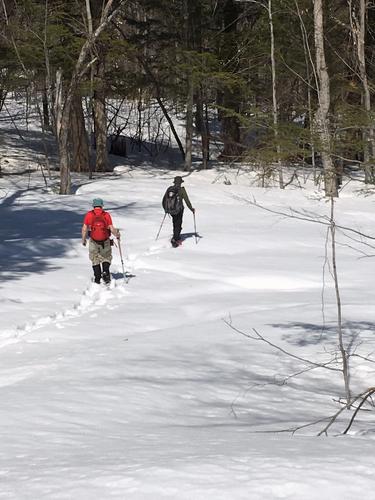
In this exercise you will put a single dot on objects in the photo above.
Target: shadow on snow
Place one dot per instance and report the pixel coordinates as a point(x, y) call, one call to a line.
point(313, 333)
point(32, 235)
point(185, 236)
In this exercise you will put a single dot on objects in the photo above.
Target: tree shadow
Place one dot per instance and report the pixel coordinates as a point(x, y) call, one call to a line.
point(30, 236)
point(32, 147)
point(315, 334)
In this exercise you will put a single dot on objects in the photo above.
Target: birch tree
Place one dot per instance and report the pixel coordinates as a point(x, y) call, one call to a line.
point(322, 121)
point(274, 97)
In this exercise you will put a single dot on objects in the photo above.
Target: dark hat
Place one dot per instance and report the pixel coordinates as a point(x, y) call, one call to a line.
point(178, 180)
point(97, 202)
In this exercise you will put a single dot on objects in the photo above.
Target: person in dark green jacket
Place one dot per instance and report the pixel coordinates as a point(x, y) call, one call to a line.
point(173, 204)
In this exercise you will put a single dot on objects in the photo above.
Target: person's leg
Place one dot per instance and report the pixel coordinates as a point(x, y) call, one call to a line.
point(97, 273)
point(94, 255)
point(106, 255)
point(177, 225)
point(106, 273)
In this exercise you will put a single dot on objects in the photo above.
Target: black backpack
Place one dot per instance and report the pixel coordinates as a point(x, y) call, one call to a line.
point(172, 200)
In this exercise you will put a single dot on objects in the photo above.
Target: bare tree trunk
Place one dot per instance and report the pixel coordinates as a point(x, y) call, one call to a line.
point(322, 121)
point(62, 128)
point(90, 119)
point(65, 178)
point(90, 112)
point(58, 102)
point(43, 127)
point(202, 127)
point(344, 354)
point(79, 150)
point(206, 136)
point(189, 124)
point(100, 124)
point(45, 106)
point(139, 133)
point(358, 27)
point(80, 69)
point(48, 105)
point(309, 78)
point(274, 97)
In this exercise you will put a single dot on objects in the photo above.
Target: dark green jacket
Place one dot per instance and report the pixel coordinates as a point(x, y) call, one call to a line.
point(185, 197)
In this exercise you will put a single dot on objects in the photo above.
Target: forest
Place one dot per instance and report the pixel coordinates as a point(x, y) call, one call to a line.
point(274, 84)
point(201, 365)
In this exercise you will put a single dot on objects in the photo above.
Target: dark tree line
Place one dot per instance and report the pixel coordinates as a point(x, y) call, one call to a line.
point(291, 81)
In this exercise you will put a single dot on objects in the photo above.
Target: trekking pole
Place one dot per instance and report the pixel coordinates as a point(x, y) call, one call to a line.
point(195, 230)
point(122, 260)
point(161, 225)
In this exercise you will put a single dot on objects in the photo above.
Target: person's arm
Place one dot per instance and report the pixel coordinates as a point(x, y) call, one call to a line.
point(114, 231)
point(111, 227)
point(84, 234)
point(186, 199)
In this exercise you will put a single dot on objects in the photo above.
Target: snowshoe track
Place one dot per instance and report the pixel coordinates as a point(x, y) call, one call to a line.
point(94, 296)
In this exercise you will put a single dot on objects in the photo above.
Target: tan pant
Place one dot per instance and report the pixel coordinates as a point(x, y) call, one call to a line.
point(100, 252)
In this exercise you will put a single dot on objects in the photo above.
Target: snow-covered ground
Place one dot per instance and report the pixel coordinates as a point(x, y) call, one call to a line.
point(143, 391)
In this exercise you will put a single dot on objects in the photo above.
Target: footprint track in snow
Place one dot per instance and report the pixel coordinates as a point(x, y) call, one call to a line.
point(93, 296)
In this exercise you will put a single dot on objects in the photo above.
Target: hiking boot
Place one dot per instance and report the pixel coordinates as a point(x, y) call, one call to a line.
point(174, 243)
point(106, 274)
point(97, 273)
point(106, 278)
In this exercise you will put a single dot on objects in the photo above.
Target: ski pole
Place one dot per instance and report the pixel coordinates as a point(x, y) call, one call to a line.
point(161, 225)
point(195, 230)
point(122, 260)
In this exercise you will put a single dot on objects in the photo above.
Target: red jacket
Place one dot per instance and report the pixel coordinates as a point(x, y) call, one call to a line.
point(93, 214)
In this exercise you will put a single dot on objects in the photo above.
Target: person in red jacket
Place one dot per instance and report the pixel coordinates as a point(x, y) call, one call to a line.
point(100, 225)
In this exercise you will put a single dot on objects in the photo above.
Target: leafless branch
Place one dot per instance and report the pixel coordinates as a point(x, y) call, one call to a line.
point(295, 214)
point(258, 336)
point(369, 393)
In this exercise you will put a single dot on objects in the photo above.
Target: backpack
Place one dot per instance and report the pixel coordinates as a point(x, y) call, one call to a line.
point(172, 200)
point(99, 229)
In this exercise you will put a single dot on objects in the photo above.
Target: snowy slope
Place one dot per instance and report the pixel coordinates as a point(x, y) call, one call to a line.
point(142, 391)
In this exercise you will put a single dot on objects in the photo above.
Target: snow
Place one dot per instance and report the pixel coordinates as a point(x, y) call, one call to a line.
point(142, 390)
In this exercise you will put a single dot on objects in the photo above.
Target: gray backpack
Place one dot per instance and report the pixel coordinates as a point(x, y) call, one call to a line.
point(172, 200)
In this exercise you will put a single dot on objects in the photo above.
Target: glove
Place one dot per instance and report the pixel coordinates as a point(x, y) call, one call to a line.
point(193, 210)
point(84, 243)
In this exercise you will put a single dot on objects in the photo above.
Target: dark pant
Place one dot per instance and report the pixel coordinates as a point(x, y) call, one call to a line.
point(98, 272)
point(177, 225)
